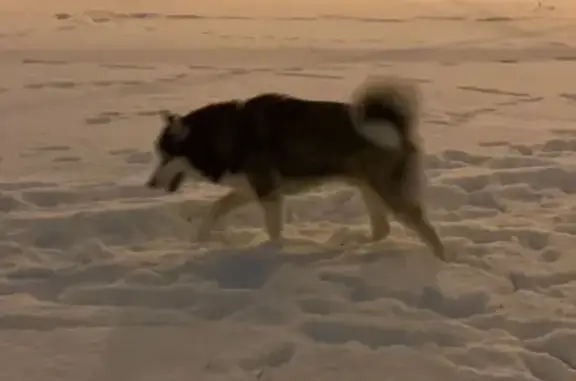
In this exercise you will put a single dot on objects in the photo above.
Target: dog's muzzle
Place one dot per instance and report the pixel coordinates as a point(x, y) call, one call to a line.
point(169, 175)
point(172, 186)
point(152, 183)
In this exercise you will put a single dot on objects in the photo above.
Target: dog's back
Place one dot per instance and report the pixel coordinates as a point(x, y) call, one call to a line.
point(301, 137)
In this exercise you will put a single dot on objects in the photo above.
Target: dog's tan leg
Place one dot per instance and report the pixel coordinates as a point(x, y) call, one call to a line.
point(376, 211)
point(414, 216)
point(411, 212)
point(273, 216)
point(220, 208)
point(264, 184)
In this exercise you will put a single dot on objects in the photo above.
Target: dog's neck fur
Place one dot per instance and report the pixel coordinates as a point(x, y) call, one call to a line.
point(214, 155)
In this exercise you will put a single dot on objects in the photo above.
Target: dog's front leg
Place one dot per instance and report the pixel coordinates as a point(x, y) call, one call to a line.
point(271, 200)
point(234, 199)
point(412, 213)
point(273, 216)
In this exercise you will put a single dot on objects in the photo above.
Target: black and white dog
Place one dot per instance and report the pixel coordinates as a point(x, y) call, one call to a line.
point(273, 145)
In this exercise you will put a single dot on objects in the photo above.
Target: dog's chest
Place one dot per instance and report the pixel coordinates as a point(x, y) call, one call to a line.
point(236, 181)
point(286, 187)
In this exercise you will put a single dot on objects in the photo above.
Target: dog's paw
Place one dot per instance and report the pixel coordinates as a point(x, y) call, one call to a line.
point(443, 254)
point(379, 235)
point(204, 233)
point(272, 245)
point(380, 229)
point(186, 214)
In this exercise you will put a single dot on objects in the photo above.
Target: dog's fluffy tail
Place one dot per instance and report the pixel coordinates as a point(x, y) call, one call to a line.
point(386, 113)
point(385, 110)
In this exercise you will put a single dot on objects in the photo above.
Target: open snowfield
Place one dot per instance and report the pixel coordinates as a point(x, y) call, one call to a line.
point(101, 279)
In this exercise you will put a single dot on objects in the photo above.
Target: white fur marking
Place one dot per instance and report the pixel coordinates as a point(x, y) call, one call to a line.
point(382, 134)
point(164, 174)
point(235, 181)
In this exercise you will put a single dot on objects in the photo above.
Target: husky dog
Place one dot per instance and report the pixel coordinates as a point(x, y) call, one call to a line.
point(273, 145)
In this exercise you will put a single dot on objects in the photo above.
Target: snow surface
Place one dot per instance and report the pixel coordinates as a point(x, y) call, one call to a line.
point(101, 280)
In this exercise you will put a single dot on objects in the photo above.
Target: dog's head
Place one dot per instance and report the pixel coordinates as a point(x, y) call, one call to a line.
point(171, 150)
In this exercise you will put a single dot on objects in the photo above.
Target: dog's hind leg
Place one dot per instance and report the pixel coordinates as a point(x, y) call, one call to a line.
point(411, 212)
point(234, 199)
point(377, 212)
point(414, 216)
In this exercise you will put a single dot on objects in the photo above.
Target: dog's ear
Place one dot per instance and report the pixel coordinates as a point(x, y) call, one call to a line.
point(169, 117)
point(174, 124)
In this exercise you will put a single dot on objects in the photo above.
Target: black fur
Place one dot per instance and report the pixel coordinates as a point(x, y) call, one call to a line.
point(277, 134)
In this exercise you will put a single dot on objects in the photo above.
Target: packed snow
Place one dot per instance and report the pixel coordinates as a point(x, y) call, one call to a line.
point(101, 279)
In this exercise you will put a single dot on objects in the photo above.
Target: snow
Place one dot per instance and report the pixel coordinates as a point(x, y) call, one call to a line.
point(101, 279)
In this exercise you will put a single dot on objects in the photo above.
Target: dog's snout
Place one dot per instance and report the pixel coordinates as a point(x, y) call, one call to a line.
point(152, 183)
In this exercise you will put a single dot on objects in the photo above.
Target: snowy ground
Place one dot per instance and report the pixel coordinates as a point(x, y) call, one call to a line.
point(101, 280)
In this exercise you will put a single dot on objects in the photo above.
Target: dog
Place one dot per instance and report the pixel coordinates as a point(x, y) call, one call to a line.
point(273, 145)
